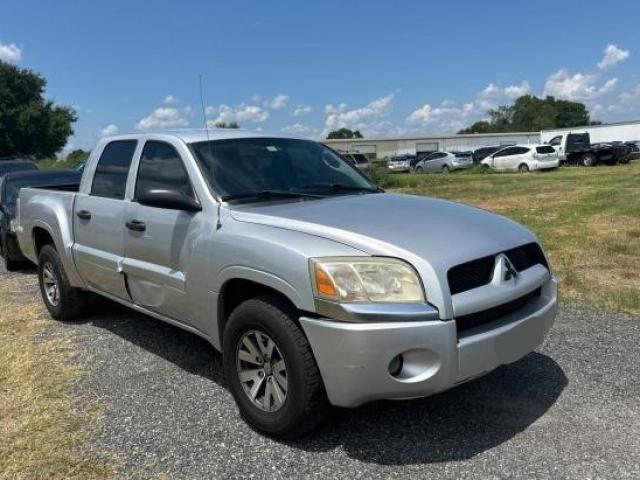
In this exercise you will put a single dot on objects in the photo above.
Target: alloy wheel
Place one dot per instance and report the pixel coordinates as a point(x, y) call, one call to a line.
point(50, 284)
point(261, 370)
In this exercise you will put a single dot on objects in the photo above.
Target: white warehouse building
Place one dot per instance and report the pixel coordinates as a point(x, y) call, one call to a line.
point(611, 132)
point(379, 148)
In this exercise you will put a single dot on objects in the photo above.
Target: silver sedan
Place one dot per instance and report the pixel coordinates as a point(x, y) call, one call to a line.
point(444, 162)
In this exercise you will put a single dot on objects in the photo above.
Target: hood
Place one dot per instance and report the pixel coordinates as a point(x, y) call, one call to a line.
point(440, 232)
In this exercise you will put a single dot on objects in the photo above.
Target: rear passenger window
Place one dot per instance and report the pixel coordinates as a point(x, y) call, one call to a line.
point(110, 179)
point(545, 149)
point(161, 168)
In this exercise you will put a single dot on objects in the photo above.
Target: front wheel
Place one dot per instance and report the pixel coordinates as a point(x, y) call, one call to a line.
point(419, 170)
point(445, 169)
point(63, 301)
point(523, 168)
point(271, 370)
point(588, 160)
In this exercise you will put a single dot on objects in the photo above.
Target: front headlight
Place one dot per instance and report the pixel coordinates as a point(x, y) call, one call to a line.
point(366, 279)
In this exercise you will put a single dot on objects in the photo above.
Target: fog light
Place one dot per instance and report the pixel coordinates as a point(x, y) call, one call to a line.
point(395, 365)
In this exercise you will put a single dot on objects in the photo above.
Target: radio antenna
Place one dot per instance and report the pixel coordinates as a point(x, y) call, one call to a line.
point(206, 129)
point(204, 111)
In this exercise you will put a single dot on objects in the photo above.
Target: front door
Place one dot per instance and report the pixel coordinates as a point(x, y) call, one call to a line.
point(98, 221)
point(159, 242)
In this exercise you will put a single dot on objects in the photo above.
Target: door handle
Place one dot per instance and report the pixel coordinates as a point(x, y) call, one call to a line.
point(136, 225)
point(84, 215)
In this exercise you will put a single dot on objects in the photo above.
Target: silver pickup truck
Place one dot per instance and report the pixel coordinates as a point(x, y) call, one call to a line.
point(318, 288)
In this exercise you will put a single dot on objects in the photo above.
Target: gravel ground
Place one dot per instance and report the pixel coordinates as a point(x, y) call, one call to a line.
point(569, 410)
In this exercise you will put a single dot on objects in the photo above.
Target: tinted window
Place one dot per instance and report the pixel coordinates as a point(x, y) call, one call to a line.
point(545, 149)
point(6, 167)
point(437, 155)
point(110, 178)
point(506, 152)
point(556, 140)
point(360, 158)
point(520, 150)
point(161, 168)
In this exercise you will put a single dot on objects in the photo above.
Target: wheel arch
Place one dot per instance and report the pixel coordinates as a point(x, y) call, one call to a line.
point(242, 283)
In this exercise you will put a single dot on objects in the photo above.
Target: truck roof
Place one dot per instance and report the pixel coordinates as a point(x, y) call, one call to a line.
point(202, 135)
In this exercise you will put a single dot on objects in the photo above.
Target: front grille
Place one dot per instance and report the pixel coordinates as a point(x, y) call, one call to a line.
point(466, 322)
point(478, 272)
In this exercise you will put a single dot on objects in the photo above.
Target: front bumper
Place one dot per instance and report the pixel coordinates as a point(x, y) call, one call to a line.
point(354, 358)
point(400, 168)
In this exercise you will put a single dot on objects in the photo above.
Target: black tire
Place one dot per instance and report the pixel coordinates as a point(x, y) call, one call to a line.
point(419, 170)
point(523, 168)
point(305, 405)
point(12, 265)
point(71, 301)
point(445, 169)
point(588, 160)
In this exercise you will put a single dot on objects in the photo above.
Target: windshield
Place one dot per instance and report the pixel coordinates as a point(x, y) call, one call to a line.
point(241, 167)
point(13, 185)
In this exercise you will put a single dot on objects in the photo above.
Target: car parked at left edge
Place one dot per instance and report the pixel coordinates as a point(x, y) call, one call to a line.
point(10, 186)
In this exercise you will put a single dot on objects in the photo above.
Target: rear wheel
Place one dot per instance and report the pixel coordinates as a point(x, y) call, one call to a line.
point(271, 370)
point(523, 168)
point(63, 301)
point(445, 169)
point(419, 170)
point(588, 160)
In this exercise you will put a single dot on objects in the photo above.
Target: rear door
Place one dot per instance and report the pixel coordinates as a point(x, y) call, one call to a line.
point(558, 144)
point(506, 158)
point(160, 242)
point(98, 222)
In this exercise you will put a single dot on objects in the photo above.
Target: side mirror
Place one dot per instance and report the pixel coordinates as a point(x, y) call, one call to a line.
point(170, 199)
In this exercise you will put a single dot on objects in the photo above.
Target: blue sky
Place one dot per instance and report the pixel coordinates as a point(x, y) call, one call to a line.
point(386, 68)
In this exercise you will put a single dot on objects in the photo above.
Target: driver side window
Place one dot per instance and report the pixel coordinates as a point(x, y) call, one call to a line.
point(161, 168)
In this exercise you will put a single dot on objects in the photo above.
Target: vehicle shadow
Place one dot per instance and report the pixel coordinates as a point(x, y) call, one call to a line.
point(454, 425)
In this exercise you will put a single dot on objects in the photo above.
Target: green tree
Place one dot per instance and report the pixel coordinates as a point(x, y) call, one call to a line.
point(77, 156)
point(227, 125)
point(30, 125)
point(344, 133)
point(532, 114)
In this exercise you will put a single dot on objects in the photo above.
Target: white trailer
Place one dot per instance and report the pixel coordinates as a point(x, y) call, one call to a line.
point(612, 132)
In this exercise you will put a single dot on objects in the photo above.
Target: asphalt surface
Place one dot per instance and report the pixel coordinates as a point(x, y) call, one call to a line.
point(569, 410)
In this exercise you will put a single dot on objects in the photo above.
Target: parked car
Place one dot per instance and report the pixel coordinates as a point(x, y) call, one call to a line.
point(444, 162)
point(399, 163)
point(10, 186)
point(577, 148)
point(360, 160)
point(523, 158)
point(7, 166)
point(634, 150)
point(481, 153)
point(317, 287)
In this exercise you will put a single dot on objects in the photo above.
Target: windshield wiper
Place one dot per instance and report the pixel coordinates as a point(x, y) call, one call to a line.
point(267, 194)
point(342, 187)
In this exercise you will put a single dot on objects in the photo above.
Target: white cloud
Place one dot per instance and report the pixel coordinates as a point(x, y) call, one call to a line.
point(10, 53)
point(367, 119)
point(302, 110)
point(579, 86)
point(277, 103)
point(612, 56)
point(511, 92)
point(165, 117)
point(299, 129)
point(170, 100)
point(240, 113)
point(109, 130)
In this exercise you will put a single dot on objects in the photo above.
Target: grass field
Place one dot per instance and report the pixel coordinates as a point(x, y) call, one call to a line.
point(588, 219)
